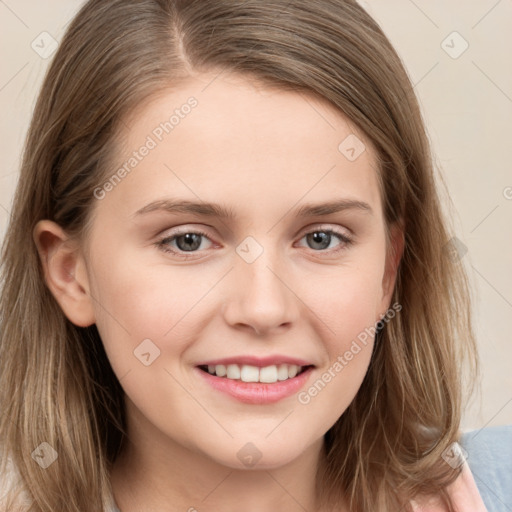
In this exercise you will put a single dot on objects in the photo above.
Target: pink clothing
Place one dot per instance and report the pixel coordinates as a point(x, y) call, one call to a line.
point(463, 492)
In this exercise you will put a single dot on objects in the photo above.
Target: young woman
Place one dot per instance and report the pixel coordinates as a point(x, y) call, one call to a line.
point(228, 281)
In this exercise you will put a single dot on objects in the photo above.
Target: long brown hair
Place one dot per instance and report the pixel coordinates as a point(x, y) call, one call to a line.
point(56, 383)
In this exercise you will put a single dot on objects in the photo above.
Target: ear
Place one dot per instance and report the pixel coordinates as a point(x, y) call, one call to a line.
point(65, 272)
point(393, 257)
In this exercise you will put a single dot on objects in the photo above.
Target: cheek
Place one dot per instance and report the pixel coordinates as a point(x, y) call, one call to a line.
point(349, 351)
point(348, 309)
point(334, 387)
point(347, 302)
point(137, 302)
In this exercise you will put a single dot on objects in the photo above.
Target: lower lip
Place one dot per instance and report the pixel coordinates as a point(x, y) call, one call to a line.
point(257, 392)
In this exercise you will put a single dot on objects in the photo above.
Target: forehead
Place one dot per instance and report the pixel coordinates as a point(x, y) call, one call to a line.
point(227, 136)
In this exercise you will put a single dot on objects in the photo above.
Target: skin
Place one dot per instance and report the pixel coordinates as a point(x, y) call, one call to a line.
point(262, 152)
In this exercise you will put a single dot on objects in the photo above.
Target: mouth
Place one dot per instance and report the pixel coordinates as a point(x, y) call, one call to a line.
point(256, 385)
point(258, 374)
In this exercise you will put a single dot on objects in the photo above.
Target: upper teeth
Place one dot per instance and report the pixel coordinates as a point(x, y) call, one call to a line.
point(248, 373)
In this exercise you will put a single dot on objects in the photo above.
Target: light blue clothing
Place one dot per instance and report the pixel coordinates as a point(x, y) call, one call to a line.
point(489, 456)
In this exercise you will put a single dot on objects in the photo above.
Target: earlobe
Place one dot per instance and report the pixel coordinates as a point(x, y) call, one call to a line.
point(64, 272)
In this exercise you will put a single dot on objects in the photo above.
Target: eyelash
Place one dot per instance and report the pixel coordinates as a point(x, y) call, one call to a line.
point(163, 243)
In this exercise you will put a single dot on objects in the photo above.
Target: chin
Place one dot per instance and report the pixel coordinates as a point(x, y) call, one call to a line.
point(258, 455)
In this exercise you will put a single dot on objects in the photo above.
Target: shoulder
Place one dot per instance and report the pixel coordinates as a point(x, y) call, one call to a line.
point(485, 482)
point(489, 454)
point(463, 493)
point(12, 495)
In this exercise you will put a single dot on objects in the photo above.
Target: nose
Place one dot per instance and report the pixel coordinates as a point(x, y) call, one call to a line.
point(260, 296)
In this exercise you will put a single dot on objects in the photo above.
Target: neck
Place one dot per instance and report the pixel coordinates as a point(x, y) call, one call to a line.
point(154, 472)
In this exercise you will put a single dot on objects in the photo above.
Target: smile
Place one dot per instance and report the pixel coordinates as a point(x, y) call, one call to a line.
point(253, 384)
point(248, 373)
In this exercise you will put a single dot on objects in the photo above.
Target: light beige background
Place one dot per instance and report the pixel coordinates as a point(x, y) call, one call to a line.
point(467, 104)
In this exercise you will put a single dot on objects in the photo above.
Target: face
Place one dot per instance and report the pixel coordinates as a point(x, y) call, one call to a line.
point(256, 279)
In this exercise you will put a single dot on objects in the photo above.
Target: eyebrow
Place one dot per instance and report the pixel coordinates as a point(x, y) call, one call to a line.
point(217, 210)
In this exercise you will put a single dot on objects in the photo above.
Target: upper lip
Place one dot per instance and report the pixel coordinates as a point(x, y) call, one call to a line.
point(257, 361)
